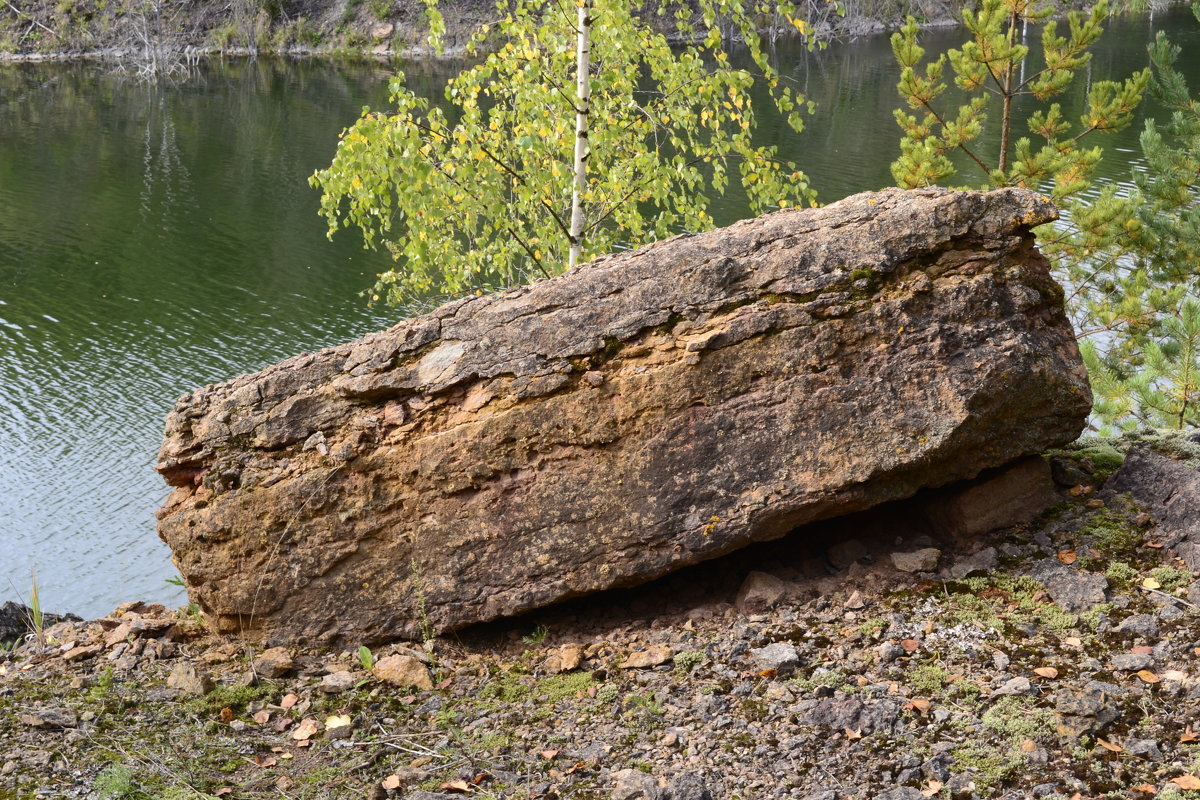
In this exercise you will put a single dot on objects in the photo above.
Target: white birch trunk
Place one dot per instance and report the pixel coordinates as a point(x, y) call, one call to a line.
point(584, 95)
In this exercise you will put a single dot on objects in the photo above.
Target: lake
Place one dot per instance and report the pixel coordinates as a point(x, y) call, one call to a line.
point(155, 237)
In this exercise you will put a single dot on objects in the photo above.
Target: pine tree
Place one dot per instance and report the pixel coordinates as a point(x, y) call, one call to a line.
point(992, 65)
point(1145, 365)
point(579, 130)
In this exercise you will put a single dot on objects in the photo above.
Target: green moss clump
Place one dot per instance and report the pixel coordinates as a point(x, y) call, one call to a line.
point(928, 679)
point(1111, 534)
point(687, 660)
point(1121, 576)
point(1011, 718)
point(562, 687)
point(1171, 578)
point(228, 696)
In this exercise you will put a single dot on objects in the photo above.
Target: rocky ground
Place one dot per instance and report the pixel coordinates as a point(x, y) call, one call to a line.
point(865, 659)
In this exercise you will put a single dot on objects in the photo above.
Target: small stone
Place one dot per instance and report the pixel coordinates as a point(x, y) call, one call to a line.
point(855, 601)
point(382, 31)
point(924, 560)
point(117, 634)
point(1014, 686)
point(779, 692)
point(1170, 613)
point(889, 652)
point(189, 680)
point(760, 592)
point(564, 659)
point(652, 656)
point(274, 663)
point(337, 682)
point(983, 561)
point(48, 718)
point(1066, 473)
point(1148, 748)
point(843, 554)
point(1131, 662)
point(1138, 626)
point(594, 378)
point(80, 653)
point(633, 784)
point(52, 717)
point(403, 671)
point(687, 786)
point(779, 656)
point(1074, 591)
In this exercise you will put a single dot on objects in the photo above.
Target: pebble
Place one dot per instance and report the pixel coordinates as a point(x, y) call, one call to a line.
point(924, 560)
point(779, 656)
point(337, 682)
point(190, 680)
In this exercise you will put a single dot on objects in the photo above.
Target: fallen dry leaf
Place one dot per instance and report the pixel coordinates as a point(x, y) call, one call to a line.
point(1150, 583)
point(1109, 746)
point(1190, 782)
point(266, 761)
point(390, 782)
point(337, 721)
point(932, 788)
point(224, 790)
point(1144, 788)
point(920, 704)
point(306, 730)
point(1028, 746)
point(853, 734)
point(227, 715)
point(1148, 676)
point(549, 754)
point(1046, 672)
point(456, 786)
point(261, 717)
point(1188, 735)
point(283, 783)
point(767, 673)
point(421, 761)
point(1073, 641)
point(1067, 556)
point(910, 645)
point(1141, 649)
point(288, 701)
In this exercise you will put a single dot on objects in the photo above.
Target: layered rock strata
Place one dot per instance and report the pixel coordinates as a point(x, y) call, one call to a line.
point(643, 412)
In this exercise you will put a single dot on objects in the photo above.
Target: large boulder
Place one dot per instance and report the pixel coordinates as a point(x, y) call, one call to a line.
point(643, 412)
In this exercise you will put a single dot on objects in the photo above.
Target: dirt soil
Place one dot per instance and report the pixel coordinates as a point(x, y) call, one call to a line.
point(862, 659)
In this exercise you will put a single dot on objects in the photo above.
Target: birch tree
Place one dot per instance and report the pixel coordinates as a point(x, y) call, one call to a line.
point(577, 130)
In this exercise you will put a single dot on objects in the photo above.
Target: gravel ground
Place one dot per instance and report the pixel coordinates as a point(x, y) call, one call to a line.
point(865, 659)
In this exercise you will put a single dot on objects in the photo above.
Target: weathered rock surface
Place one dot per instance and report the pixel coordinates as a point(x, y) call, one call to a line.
point(1170, 491)
point(646, 411)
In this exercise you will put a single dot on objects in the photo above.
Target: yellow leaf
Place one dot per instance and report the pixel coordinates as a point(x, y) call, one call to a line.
point(1148, 676)
point(1114, 748)
point(337, 721)
point(390, 782)
point(1150, 583)
point(1046, 672)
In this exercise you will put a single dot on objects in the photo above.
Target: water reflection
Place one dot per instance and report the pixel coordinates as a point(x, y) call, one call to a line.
point(157, 237)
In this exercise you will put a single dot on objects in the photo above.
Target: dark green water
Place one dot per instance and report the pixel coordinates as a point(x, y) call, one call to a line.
point(154, 238)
